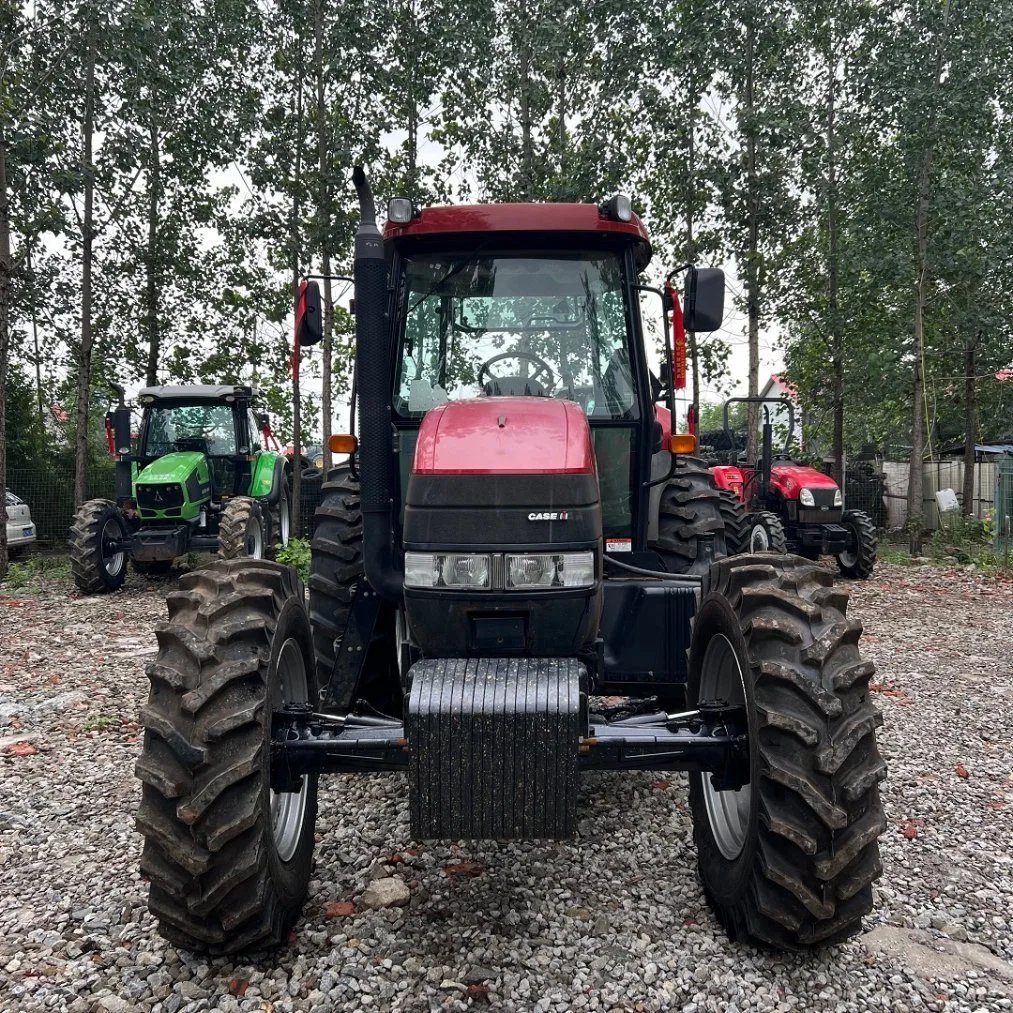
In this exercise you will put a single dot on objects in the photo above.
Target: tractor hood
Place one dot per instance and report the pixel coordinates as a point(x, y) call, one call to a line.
point(176, 467)
point(505, 436)
point(791, 479)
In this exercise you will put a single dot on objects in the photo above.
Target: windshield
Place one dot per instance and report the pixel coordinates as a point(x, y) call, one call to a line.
point(207, 428)
point(541, 325)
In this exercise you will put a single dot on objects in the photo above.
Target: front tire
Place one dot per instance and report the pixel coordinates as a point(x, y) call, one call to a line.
point(241, 530)
point(95, 565)
point(228, 860)
point(689, 513)
point(859, 558)
point(764, 533)
point(789, 860)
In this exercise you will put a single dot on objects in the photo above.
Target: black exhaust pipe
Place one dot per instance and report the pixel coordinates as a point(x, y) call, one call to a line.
point(121, 444)
point(383, 571)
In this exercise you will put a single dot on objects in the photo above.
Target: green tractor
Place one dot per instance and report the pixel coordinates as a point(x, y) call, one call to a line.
point(201, 478)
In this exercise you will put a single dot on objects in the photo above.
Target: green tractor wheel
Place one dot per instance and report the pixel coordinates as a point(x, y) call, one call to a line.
point(96, 561)
point(281, 520)
point(241, 529)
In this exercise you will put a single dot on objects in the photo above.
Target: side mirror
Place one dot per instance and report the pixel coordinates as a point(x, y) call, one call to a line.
point(309, 318)
point(705, 299)
point(263, 421)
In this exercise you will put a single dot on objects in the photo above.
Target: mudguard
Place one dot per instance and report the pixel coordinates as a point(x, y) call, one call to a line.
point(268, 475)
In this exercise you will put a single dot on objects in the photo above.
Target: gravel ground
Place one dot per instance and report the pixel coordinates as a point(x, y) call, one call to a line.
point(613, 921)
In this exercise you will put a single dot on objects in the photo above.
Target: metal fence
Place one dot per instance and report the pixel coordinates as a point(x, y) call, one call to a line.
point(49, 492)
point(1002, 515)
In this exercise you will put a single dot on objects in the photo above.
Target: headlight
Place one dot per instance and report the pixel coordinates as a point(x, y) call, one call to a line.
point(806, 498)
point(520, 571)
point(838, 498)
point(560, 569)
point(446, 569)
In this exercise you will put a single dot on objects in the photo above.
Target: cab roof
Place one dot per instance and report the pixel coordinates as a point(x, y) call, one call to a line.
point(196, 392)
point(567, 222)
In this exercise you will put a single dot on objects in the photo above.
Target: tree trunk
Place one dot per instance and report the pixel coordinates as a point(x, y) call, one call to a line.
point(690, 241)
point(970, 422)
point(752, 253)
point(836, 331)
point(84, 355)
point(294, 233)
point(324, 224)
point(527, 148)
point(5, 293)
point(916, 522)
point(33, 309)
point(151, 281)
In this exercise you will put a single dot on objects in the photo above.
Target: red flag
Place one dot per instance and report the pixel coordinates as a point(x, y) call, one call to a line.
point(678, 340)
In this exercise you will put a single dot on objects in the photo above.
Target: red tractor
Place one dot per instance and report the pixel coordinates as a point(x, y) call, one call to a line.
point(778, 505)
point(513, 546)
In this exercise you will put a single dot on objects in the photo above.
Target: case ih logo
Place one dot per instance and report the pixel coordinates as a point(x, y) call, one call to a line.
point(549, 515)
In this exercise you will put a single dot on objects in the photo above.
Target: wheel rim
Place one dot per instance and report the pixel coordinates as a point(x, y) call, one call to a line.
point(728, 812)
point(285, 520)
point(759, 539)
point(254, 543)
point(113, 562)
point(288, 808)
point(849, 557)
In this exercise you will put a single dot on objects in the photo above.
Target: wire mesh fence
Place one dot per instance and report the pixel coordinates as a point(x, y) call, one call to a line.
point(1002, 516)
point(48, 492)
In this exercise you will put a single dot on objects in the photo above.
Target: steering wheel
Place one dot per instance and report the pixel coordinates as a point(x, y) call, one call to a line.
point(543, 368)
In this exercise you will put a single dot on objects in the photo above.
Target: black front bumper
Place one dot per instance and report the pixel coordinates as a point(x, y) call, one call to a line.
point(829, 539)
point(493, 746)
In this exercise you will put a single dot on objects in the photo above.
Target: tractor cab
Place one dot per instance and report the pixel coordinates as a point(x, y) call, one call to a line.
point(534, 301)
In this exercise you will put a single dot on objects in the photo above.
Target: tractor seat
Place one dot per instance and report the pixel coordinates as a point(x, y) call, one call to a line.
point(198, 443)
point(514, 386)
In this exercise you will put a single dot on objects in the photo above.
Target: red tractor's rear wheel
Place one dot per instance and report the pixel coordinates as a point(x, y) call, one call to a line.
point(788, 861)
point(734, 515)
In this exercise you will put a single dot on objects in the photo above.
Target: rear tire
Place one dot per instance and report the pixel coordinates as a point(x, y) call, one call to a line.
point(690, 509)
point(96, 568)
point(335, 570)
point(241, 530)
point(764, 533)
point(789, 861)
point(859, 559)
point(733, 513)
point(227, 859)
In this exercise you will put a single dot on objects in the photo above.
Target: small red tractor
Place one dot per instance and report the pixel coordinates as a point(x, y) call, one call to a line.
point(513, 545)
point(778, 505)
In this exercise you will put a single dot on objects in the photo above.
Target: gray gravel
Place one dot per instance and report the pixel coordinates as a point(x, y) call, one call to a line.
point(613, 921)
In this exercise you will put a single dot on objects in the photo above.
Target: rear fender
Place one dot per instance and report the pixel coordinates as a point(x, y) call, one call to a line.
point(728, 476)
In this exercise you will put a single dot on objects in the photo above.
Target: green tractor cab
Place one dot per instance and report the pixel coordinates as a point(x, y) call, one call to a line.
point(200, 477)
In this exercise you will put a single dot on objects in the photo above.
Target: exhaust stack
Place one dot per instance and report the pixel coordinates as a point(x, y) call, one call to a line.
point(384, 573)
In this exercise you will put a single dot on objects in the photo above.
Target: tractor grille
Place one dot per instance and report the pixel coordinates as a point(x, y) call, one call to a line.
point(831, 516)
point(159, 496)
point(824, 498)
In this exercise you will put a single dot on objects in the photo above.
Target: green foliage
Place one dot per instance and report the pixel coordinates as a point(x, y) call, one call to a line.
point(297, 555)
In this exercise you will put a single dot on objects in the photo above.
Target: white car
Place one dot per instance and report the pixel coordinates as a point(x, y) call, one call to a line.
point(20, 528)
